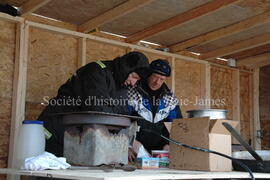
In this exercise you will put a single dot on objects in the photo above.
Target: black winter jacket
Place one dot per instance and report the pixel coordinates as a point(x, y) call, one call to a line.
point(92, 87)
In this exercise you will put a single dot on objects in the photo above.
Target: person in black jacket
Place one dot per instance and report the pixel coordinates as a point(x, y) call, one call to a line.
point(94, 87)
point(155, 102)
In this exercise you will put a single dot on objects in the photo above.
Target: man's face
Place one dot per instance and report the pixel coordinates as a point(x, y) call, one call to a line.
point(155, 81)
point(132, 79)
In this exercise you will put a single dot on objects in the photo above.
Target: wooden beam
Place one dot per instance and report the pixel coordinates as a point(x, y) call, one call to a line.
point(206, 84)
point(255, 61)
point(251, 112)
point(112, 14)
point(7, 17)
point(81, 52)
point(19, 89)
point(173, 75)
point(260, 64)
point(32, 5)
point(200, 11)
point(250, 52)
point(223, 32)
point(256, 107)
point(236, 101)
point(237, 47)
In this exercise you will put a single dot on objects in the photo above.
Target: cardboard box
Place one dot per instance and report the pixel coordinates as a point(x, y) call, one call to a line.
point(204, 133)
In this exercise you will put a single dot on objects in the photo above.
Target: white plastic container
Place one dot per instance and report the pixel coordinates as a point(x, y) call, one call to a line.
point(31, 141)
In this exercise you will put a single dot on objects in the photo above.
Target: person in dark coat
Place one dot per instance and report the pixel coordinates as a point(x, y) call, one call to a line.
point(94, 87)
point(155, 102)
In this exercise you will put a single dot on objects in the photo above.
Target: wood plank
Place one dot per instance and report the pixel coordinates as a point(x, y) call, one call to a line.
point(206, 84)
point(112, 14)
point(139, 174)
point(7, 17)
point(260, 64)
point(19, 91)
point(256, 108)
point(255, 61)
point(238, 46)
point(81, 52)
point(251, 112)
point(173, 74)
point(236, 101)
point(200, 11)
point(112, 42)
point(32, 5)
point(223, 32)
point(250, 52)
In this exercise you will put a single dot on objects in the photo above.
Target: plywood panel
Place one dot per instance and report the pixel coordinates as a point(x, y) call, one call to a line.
point(222, 89)
point(52, 60)
point(77, 11)
point(100, 51)
point(245, 105)
point(33, 110)
point(7, 52)
point(5, 115)
point(15, 2)
point(188, 85)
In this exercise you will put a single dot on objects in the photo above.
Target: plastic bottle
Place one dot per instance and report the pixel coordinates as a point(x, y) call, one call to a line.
point(31, 141)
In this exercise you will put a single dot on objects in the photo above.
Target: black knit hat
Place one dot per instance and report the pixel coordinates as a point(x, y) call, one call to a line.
point(161, 66)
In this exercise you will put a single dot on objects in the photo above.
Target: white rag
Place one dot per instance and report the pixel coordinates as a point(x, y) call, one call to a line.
point(44, 161)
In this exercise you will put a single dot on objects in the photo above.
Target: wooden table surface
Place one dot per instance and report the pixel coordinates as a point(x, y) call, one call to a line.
point(135, 175)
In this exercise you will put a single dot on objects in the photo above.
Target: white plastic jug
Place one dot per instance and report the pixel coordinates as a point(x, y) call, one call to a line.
point(31, 141)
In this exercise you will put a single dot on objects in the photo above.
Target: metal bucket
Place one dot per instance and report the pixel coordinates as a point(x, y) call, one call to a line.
point(211, 113)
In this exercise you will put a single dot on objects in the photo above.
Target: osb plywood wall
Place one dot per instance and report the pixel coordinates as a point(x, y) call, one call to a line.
point(264, 99)
point(100, 51)
point(222, 89)
point(245, 105)
point(7, 52)
point(189, 84)
point(52, 60)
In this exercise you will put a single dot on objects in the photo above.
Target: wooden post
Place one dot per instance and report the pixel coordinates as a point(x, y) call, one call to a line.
point(206, 84)
point(257, 126)
point(173, 74)
point(251, 112)
point(19, 90)
point(82, 52)
point(236, 101)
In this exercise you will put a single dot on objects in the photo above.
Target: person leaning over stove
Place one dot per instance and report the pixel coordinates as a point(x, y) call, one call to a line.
point(156, 103)
point(99, 80)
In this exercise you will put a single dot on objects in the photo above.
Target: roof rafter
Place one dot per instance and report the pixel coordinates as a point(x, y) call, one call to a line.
point(250, 52)
point(32, 5)
point(112, 14)
point(237, 47)
point(179, 19)
point(223, 32)
point(255, 61)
